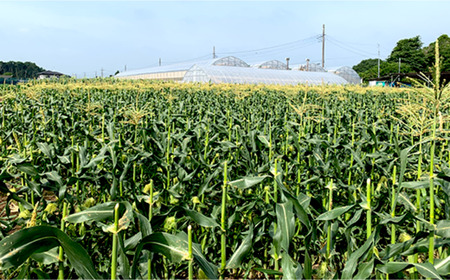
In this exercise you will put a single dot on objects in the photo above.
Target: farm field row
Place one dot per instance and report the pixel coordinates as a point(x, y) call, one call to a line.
point(136, 179)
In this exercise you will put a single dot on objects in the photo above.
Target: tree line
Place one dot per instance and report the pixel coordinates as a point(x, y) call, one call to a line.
point(410, 55)
point(20, 70)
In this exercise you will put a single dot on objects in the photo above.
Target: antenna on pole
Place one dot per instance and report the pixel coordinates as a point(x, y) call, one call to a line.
point(214, 52)
point(323, 47)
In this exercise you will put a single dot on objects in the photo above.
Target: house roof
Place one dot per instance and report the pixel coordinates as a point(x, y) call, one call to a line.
point(50, 73)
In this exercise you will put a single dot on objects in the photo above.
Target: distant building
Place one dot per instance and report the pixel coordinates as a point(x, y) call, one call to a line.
point(49, 74)
point(348, 74)
point(233, 70)
point(405, 79)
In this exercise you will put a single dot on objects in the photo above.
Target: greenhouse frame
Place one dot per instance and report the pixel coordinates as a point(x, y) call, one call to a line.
point(348, 74)
point(231, 69)
point(241, 75)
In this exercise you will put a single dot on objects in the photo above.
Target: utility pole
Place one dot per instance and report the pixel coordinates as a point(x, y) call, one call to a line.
point(159, 61)
point(214, 52)
point(307, 64)
point(399, 64)
point(125, 68)
point(378, 60)
point(323, 47)
point(287, 63)
point(102, 72)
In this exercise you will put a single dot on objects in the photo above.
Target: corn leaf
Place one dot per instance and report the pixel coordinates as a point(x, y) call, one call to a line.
point(19, 246)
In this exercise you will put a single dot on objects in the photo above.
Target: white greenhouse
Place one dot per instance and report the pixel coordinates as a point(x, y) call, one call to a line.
point(348, 74)
point(231, 69)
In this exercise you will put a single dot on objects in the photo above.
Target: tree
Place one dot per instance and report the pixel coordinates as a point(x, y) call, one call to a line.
point(410, 52)
point(386, 68)
point(20, 70)
point(444, 51)
point(365, 65)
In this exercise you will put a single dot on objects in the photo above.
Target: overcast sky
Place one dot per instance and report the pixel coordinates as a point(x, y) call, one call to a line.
point(82, 37)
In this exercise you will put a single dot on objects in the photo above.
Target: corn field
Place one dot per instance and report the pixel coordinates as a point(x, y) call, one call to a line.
point(109, 179)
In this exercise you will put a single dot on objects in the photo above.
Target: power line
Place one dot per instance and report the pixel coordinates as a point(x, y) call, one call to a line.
point(297, 43)
point(349, 48)
point(352, 50)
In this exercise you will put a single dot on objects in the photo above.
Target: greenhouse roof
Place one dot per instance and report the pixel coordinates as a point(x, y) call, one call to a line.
point(243, 75)
point(224, 61)
point(348, 74)
point(271, 64)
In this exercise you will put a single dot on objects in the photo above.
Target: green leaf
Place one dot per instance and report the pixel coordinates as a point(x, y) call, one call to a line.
point(175, 249)
point(47, 257)
point(269, 271)
point(236, 259)
point(422, 246)
point(397, 219)
point(299, 208)
point(40, 274)
point(144, 224)
point(334, 213)
point(426, 269)
point(201, 219)
point(264, 140)
point(104, 211)
point(393, 250)
point(443, 228)
point(46, 149)
point(28, 169)
point(406, 201)
point(55, 177)
point(286, 223)
point(247, 182)
point(19, 246)
point(365, 269)
point(353, 260)
point(307, 268)
point(97, 213)
point(392, 267)
point(291, 269)
point(443, 266)
point(416, 184)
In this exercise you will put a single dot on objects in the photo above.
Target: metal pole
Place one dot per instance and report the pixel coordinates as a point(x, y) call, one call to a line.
point(159, 61)
point(323, 47)
point(378, 60)
point(287, 63)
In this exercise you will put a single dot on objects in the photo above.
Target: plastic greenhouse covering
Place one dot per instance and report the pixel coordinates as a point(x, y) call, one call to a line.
point(224, 61)
point(312, 67)
point(271, 64)
point(348, 74)
point(244, 75)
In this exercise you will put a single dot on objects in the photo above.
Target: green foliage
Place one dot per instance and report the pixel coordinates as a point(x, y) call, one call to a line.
point(20, 70)
point(444, 50)
point(413, 57)
point(71, 142)
point(366, 65)
point(410, 52)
